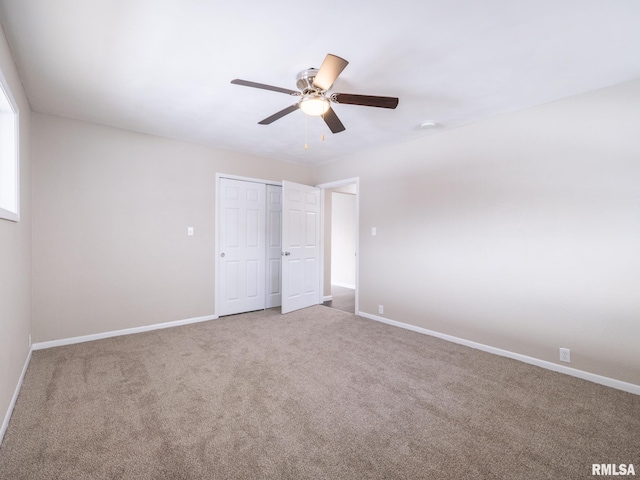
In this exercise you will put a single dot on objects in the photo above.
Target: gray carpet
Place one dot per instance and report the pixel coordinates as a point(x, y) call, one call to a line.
point(316, 394)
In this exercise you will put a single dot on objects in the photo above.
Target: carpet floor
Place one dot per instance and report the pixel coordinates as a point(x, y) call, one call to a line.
point(316, 394)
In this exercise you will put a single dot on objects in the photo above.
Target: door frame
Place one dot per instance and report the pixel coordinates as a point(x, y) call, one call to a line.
point(323, 187)
point(217, 228)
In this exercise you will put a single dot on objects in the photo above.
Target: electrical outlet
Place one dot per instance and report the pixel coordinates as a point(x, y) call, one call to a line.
point(565, 355)
point(381, 309)
point(190, 231)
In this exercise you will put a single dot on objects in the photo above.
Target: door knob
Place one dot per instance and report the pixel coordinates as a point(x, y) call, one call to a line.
point(222, 254)
point(285, 254)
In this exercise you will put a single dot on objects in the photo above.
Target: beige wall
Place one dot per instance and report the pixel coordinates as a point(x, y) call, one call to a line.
point(15, 254)
point(520, 232)
point(343, 239)
point(111, 211)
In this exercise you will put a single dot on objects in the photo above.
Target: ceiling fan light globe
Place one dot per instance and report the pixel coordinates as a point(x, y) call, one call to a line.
point(314, 106)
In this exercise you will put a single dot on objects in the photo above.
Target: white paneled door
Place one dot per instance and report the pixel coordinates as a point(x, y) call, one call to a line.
point(242, 226)
point(300, 246)
point(274, 246)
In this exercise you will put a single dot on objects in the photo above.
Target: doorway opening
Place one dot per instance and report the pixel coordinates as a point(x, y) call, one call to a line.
point(340, 244)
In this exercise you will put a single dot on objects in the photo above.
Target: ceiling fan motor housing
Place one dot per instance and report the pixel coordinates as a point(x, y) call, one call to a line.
point(304, 80)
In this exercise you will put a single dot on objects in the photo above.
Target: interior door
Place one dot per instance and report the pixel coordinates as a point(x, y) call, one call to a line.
point(242, 246)
point(274, 246)
point(300, 246)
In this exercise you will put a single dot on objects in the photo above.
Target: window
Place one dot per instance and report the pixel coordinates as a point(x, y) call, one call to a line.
point(9, 167)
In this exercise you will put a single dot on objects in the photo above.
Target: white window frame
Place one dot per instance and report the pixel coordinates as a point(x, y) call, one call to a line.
point(9, 154)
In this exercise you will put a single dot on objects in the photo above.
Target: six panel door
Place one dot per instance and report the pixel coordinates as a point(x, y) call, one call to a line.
point(242, 246)
point(274, 246)
point(301, 246)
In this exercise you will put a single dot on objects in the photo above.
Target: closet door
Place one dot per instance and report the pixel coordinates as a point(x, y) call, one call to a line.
point(274, 245)
point(242, 246)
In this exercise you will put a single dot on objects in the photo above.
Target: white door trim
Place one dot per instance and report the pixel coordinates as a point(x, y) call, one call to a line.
point(323, 187)
point(246, 179)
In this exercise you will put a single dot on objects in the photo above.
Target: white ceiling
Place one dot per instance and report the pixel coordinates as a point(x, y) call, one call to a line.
point(164, 67)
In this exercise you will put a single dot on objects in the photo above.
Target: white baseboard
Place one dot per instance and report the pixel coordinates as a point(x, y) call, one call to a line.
point(117, 333)
point(344, 285)
point(12, 404)
point(327, 298)
point(592, 377)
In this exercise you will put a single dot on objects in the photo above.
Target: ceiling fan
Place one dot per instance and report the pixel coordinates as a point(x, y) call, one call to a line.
point(314, 100)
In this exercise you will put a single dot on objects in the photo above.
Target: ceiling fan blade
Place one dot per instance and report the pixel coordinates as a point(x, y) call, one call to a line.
point(365, 100)
point(280, 114)
point(332, 121)
point(329, 71)
point(246, 83)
